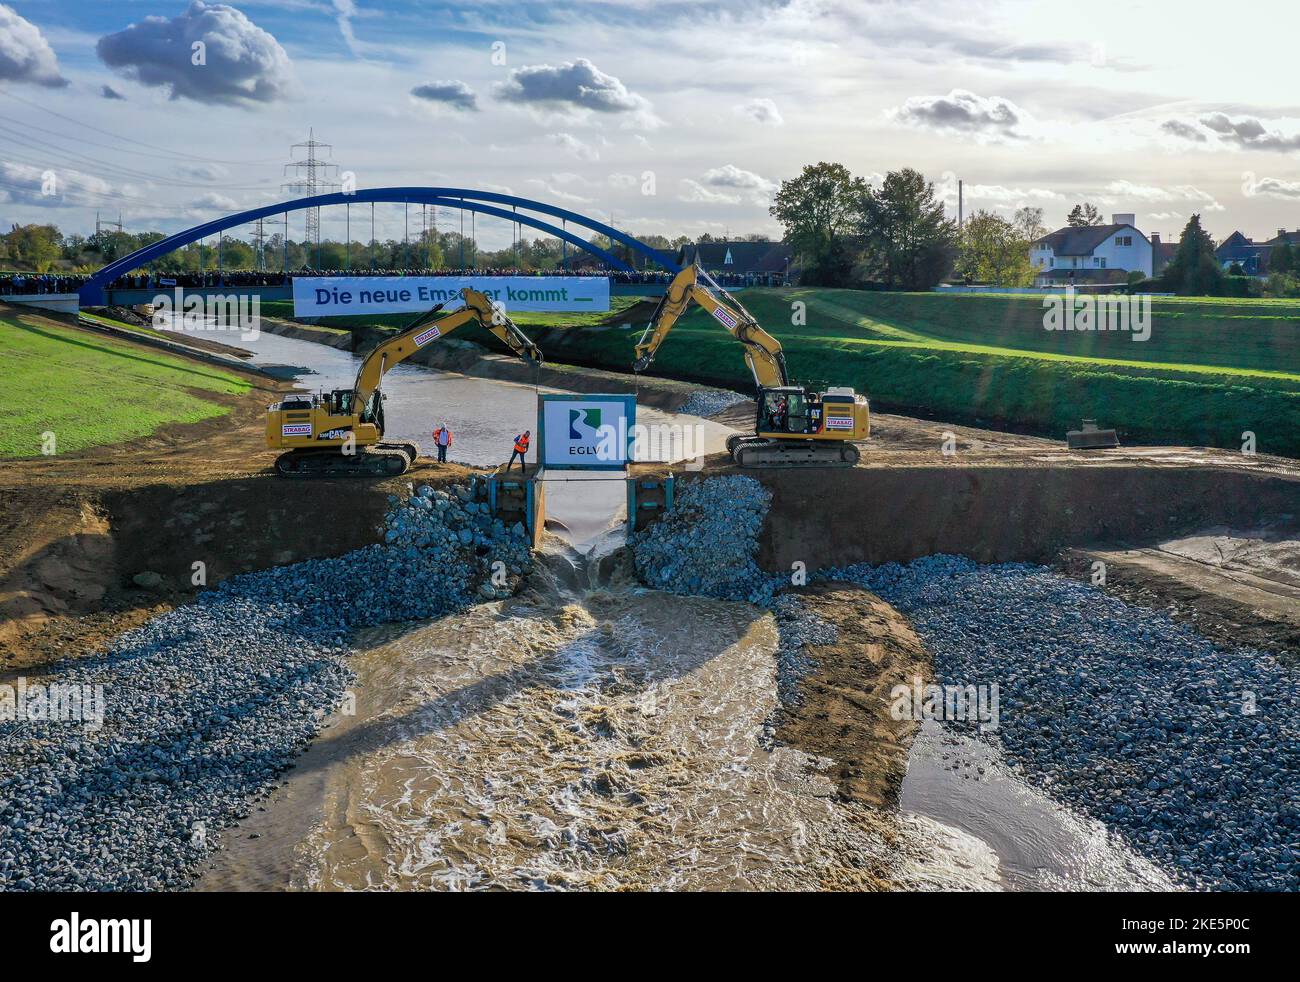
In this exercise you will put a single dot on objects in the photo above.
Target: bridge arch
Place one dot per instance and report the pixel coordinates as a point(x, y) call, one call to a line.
point(467, 199)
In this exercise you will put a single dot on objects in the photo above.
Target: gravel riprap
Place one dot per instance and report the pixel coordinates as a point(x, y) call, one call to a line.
point(208, 704)
point(1122, 713)
point(1116, 710)
point(705, 546)
point(798, 628)
point(709, 402)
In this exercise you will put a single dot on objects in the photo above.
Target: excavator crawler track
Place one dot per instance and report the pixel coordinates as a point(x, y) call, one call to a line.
point(777, 454)
point(378, 461)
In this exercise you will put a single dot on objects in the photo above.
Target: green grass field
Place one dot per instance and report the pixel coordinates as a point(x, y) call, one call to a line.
point(91, 391)
point(1210, 371)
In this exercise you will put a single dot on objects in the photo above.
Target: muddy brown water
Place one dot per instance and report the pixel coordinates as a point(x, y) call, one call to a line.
point(587, 734)
point(593, 734)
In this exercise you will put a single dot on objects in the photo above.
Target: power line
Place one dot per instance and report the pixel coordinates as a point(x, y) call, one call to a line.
point(72, 158)
point(127, 139)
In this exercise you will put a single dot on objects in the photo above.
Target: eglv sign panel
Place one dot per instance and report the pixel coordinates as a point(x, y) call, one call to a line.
point(585, 432)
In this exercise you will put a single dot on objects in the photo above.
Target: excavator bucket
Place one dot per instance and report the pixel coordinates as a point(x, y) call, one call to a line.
point(1090, 437)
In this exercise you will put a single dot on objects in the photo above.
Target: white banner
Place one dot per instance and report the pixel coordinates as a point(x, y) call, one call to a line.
point(333, 296)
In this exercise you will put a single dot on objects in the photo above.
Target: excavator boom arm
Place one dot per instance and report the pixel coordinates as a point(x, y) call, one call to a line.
point(420, 332)
point(763, 352)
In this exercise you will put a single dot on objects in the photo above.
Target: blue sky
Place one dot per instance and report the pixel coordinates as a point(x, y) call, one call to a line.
point(673, 117)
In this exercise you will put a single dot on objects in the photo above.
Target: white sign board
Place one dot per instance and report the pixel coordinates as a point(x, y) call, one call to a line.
point(335, 296)
point(586, 432)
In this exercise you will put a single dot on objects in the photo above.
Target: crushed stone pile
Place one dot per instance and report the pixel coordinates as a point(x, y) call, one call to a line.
point(206, 705)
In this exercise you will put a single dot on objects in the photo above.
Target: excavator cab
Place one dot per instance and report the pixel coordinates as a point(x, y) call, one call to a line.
point(785, 409)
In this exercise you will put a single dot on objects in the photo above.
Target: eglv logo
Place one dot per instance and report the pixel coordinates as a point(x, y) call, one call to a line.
point(584, 424)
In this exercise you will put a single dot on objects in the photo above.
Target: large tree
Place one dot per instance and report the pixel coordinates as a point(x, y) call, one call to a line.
point(994, 250)
point(818, 210)
point(1084, 215)
point(1028, 223)
point(908, 244)
point(1194, 271)
point(36, 246)
point(1281, 258)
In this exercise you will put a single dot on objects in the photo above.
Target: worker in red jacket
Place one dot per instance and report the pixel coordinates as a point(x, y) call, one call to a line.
point(521, 449)
point(442, 440)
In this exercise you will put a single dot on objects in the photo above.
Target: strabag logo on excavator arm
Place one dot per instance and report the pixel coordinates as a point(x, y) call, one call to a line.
point(425, 337)
point(724, 315)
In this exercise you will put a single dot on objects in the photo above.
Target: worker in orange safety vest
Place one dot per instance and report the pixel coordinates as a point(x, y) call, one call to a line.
point(521, 448)
point(442, 440)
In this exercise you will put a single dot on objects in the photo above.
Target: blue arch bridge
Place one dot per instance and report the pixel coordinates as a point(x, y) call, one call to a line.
point(573, 230)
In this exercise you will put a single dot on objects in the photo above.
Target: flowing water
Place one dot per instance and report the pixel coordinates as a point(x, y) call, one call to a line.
point(586, 734)
point(980, 826)
point(592, 734)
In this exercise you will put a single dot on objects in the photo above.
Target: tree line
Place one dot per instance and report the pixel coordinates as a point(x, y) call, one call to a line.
point(847, 232)
point(42, 248)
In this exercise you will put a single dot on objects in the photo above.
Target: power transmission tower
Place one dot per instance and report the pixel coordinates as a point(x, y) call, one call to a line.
point(260, 236)
point(115, 226)
point(311, 176)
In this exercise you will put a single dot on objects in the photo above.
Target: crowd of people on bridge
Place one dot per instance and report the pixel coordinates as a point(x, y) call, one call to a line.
point(28, 284)
point(44, 283)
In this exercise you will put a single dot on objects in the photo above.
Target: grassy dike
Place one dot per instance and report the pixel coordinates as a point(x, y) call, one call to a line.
point(1226, 368)
point(90, 390)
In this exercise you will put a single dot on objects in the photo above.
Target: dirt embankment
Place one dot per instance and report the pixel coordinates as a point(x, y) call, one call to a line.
point(844, 712)
point(1240, 587)
point(306, 332)
point(1000, 513)
point(76, 529)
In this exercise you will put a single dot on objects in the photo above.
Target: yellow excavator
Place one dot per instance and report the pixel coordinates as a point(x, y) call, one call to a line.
point(795, 426)
point(338, 433)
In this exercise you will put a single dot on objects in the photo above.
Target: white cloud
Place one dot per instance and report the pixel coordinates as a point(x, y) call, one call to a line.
point(1271, 187)
point(1237, 132)
point(760, 110)
point(961, 111)
point(755, 188)
point(577, 88)
point(452, 93)
point(211, 201)
point(29, 185)
point(571, 144)
point(1006, 195)
point(25, 55)
point(1120, 192)
point(558, 194)
point(240, 63)
point(697, 193)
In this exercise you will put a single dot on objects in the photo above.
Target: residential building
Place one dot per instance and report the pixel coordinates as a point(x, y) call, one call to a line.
point(1092, 253)
point(1250, 255)
point(756, 263)
point(1254, 258)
